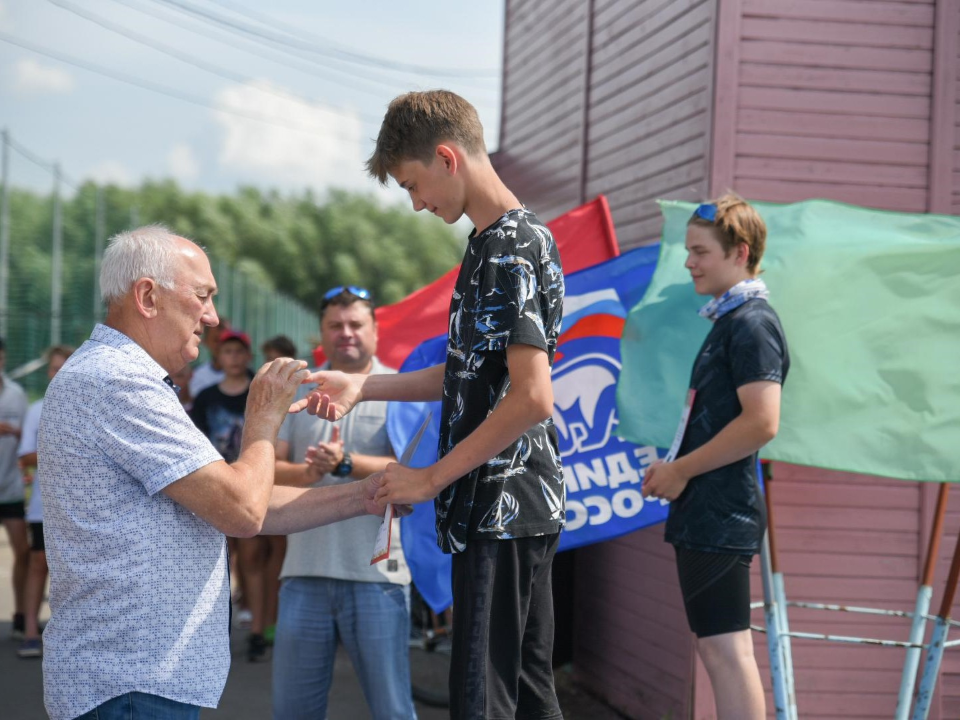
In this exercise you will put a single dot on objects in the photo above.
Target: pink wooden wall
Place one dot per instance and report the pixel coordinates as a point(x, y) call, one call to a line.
point(780, 100)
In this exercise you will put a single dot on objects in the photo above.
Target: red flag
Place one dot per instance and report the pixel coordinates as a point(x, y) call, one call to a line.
point(584, 237)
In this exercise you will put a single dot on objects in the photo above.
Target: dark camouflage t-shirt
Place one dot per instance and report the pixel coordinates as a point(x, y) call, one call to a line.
point(509, 291)
point(723, 510)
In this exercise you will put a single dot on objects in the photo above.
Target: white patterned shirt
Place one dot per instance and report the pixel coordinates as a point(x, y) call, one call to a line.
point(139, 591)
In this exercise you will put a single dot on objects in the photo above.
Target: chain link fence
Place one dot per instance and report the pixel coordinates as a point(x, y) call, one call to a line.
point(50, 264)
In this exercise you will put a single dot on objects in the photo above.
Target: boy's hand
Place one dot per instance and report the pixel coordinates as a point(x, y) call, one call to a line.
point(664, 481)
point(402, 485)
point(370, 488)
point(324, 457)
point(335, 396)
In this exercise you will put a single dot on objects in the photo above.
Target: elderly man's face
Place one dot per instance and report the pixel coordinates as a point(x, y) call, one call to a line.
point(187, 308)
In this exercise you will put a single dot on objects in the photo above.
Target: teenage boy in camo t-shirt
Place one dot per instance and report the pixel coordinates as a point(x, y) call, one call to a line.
point(498, 484)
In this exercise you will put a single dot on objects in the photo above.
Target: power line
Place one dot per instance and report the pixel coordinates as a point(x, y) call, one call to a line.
point(284, 41)
point(191, 60)
point(354, 56)
point(155, 87)
point(50, 167)
point(308, 66)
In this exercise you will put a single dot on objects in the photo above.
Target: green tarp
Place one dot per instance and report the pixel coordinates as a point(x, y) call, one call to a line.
point(870, 303)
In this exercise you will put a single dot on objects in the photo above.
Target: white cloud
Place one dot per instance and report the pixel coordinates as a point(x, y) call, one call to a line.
point(111, 172)
point(182, 163)
point(32, 76)
point(328, 154)
point(5, 23)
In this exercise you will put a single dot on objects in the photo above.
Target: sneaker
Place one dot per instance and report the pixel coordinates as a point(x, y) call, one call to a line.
point(244, 618)
point(19, 625)
point(256, 648)
point(30, 648)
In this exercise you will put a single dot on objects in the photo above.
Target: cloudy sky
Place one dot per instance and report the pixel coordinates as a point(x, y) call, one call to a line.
point(287, 94)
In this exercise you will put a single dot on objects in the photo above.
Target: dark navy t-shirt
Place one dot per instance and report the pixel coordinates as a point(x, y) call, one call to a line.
point(723, 510)
point(509, 291)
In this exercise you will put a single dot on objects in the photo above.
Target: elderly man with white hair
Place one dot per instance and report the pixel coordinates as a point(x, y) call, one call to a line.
point(137, 501)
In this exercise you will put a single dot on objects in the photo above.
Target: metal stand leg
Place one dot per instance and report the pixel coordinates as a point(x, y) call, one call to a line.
point(907, 682)
point(772, 619)
point(785, 646)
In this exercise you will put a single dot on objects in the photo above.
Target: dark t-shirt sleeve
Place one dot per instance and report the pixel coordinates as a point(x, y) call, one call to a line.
point(757, 351)
point(511, 299)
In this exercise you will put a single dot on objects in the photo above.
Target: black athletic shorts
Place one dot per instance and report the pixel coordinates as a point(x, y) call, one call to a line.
point(501, 666)
point(716, 591)
point(12, 511)
point(36, 537)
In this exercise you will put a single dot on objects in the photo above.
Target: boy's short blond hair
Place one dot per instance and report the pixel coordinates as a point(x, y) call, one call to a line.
point(417, 122)
point(737, 222)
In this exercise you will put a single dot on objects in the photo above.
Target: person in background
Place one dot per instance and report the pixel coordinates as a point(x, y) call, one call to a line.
point(13, 408)
point(717, 515)
point(181, 381)
point(30, 646)
point(279, 346)
point(331, 594)
point(209, 373)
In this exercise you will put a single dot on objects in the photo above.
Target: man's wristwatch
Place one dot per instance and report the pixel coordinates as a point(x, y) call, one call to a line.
point(345, 467)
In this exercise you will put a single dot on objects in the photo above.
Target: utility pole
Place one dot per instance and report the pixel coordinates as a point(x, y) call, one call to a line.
point(98, 232)
point(56, 265)
point(4, 232)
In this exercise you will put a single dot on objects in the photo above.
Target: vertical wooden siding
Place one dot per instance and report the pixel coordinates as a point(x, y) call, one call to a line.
point(833, 101)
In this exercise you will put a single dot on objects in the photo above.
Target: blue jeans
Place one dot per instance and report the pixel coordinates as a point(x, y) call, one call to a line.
point(141, 706)
point(373, 622)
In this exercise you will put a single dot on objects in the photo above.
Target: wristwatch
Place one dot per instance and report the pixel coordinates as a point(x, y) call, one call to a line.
point(345, 467)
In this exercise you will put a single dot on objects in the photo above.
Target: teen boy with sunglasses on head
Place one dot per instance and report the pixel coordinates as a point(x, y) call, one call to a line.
point(717, 516)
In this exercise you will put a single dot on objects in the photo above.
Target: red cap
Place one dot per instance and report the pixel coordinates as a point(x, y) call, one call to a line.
point(235, 335)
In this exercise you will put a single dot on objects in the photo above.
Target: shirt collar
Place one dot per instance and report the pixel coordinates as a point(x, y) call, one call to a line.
point(112, 337)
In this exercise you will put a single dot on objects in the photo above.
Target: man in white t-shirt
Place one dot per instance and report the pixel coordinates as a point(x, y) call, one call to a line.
point(30, 646)
point(330, 592)
point(209, 373)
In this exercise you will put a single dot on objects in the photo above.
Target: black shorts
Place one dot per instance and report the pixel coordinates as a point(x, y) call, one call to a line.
point(501, 665)
point(12, 511)
point(716, 591)
point(36, 537)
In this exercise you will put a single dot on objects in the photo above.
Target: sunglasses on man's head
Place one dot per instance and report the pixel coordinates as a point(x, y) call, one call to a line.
point(706, 211)
point(359, 292)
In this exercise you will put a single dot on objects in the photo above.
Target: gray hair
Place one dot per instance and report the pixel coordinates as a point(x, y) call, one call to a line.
point(145, 252)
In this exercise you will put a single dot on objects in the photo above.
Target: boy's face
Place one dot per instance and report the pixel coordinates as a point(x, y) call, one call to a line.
point(434, 187)
point(713, 270)
point(234, 358)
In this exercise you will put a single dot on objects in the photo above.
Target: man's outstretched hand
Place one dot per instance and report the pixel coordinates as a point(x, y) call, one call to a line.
point(335, 396)
point(371, 486)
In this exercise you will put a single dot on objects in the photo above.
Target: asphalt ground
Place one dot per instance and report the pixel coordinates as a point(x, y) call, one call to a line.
point(248, 691)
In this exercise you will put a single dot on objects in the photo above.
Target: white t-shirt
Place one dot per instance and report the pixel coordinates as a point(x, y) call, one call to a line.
point(28, 444)
point(13, 406)
point(203, 377)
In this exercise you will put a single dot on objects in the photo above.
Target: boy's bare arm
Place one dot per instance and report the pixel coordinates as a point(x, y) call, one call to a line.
point(528, 402)
point(337, 393)
point(754, 427)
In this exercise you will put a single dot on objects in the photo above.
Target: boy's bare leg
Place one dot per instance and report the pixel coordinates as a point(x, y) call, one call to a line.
point(33, 593)
point(734, 675)
point(20, 544)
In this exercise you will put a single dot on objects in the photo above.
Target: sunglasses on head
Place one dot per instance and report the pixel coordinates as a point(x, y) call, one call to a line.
point(706, 211)
point(359, 292)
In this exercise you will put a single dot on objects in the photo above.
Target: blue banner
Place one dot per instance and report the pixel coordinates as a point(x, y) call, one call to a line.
point(602, 472)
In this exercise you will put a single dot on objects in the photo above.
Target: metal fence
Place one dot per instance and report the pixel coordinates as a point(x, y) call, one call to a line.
point(49, 278)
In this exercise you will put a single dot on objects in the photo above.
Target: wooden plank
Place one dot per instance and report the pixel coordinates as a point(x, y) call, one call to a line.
point(845, 565)
point(853, 590)
point(672, 102)
point(850, 496)
point(866, 542)
point(545, 39)
point(649, 31)
point(617, 151)
point(817, 518)
point(852, 11)
point(826, 32)
point(723, 139)
point(632, 67)
point(545, 78)
point(613, 17)
point(835, 103)
point(837, 126)
point(692, 173)
point(670, 157)
point(807, 78)
point(562, 116)
point(944, 116)
point(903, 200)
point(851, 56)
